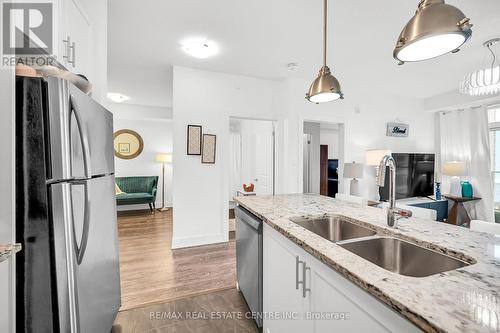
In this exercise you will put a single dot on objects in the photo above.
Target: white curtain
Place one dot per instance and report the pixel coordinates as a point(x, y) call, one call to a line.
point(464, 136)
point(235, 167)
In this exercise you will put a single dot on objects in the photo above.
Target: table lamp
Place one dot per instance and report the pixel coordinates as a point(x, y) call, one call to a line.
point(163, 159)
point(454, 169)
point(353, 170)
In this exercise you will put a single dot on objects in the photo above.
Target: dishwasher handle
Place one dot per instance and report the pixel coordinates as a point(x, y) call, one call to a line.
point(248, 218)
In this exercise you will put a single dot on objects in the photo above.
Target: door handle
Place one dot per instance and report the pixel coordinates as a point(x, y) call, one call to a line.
point(304, 276)
point(83, 137)
point(297, 263)
point(80, 250)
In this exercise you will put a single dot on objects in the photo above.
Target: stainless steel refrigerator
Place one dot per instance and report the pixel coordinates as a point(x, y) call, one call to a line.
point(68, 271)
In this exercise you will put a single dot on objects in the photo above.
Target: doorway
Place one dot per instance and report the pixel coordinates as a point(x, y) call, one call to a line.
point(252, 160)
point(322, 157)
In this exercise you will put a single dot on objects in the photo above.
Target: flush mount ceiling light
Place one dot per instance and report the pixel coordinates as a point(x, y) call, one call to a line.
point(484, 81)
point(200, 48)
point(117, 98)
point(325, 88)
point(436, 29)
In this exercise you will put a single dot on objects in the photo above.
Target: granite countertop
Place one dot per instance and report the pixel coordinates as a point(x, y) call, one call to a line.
point(8, 250)
point(462, 300)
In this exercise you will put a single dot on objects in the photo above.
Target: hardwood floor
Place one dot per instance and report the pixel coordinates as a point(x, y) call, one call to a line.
point(216, 312)
point(152, 273)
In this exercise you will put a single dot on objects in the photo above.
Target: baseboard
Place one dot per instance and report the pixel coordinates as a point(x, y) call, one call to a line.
point(140, 206)
point(182, 242)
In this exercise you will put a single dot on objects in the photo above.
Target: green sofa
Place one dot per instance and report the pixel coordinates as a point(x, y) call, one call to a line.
point(137, 190)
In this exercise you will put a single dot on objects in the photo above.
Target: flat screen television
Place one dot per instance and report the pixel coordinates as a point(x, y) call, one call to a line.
point(414, 176)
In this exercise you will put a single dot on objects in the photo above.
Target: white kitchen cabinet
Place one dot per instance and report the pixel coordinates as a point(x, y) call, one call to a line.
point(282, 296)
point(333, 303)
point(74, 37)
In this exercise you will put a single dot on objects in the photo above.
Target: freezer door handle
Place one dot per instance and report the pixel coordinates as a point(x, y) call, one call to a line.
point(80, 249)
point(83, 137)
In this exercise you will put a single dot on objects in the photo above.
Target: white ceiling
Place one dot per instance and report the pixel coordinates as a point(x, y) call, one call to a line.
point(259, 37)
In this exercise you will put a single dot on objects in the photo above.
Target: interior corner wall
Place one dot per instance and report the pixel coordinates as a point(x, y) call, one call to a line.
point(200, 196)
point(157, 136)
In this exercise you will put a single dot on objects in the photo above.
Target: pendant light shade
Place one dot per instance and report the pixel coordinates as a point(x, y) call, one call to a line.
point(485, 81)
point(434, 30)
point(325, 88)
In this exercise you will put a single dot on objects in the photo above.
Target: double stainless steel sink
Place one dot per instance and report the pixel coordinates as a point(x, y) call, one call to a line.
point(389, 253)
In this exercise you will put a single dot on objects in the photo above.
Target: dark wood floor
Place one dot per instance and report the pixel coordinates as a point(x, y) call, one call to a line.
point(192, 314)
point(153, 273)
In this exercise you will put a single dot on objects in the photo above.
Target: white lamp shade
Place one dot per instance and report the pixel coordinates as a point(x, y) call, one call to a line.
point(163, 158)
point(454, 169)
point(353, 170)
point(374, 156)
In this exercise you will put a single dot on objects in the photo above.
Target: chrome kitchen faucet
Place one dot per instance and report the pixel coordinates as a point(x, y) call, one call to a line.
point(392, 211)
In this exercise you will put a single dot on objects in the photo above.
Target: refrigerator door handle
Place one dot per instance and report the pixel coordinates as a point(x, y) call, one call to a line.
point(80, 249)
point(83, 137)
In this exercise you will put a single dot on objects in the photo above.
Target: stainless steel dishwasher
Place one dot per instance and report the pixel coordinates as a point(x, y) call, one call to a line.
point(249, 260)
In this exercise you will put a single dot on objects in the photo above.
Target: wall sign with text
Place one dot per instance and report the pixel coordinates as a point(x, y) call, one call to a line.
point(397, 129)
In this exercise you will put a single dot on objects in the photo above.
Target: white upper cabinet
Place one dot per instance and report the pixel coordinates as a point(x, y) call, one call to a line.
point(74, 37)
point(81, 45)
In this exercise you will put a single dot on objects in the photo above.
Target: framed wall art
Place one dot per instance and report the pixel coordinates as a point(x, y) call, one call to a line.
point(128, 144)
point(194, 138)
point(209, 145)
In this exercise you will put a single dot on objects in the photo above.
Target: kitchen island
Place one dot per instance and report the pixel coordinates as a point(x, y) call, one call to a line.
point(466, 299)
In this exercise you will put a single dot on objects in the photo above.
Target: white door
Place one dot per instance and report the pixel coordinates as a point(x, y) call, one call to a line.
point(263, 163)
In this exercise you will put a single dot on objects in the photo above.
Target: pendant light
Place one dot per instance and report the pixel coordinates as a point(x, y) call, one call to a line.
point(325, 88)
point(436, 29)
point(484, 81)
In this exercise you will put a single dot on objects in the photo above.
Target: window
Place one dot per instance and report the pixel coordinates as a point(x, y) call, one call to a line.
point(494, 125)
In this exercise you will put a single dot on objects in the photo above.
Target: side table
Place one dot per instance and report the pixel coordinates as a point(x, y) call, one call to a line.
point(458, 215)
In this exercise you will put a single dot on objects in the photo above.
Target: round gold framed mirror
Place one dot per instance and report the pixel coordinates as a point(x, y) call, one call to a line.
point(128, 144)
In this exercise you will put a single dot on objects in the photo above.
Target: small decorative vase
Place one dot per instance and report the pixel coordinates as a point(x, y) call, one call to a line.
point(438, 191)
point(467, 191)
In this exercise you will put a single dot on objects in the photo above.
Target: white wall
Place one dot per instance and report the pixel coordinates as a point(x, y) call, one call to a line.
point(157, 136)
point(137, 111)
point(200, 190)
point(7, 210)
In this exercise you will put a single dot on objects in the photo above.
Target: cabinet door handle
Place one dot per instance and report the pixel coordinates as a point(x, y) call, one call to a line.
point(73, 54)
point(304, 281)
point(297, 263)
point(70, 51)
point(67, 42)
